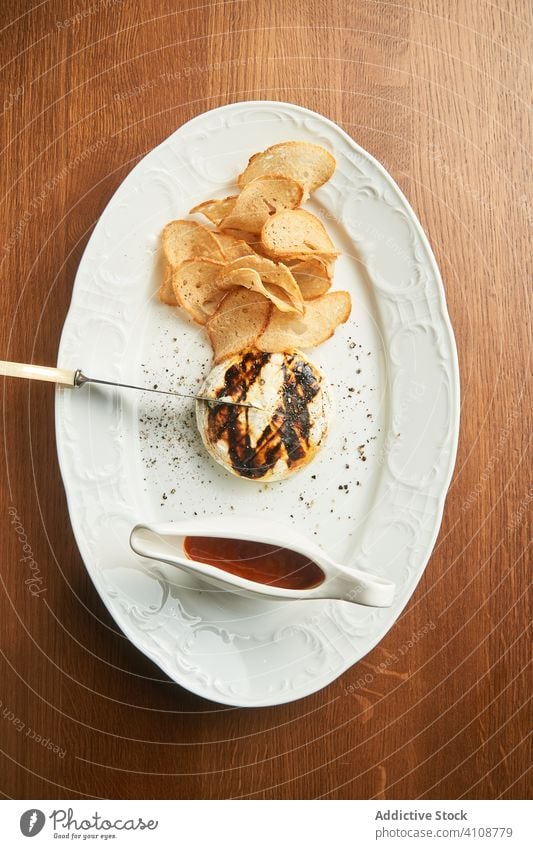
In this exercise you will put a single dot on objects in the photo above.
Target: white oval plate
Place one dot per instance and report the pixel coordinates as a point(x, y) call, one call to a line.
point(375, 495)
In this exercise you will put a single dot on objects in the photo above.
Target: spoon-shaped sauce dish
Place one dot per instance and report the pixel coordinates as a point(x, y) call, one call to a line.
point(257, 557)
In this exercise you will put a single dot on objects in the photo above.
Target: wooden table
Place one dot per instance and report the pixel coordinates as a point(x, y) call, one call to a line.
point(438, 92)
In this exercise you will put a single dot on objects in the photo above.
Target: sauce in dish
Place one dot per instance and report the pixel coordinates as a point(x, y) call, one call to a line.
point(256, 561)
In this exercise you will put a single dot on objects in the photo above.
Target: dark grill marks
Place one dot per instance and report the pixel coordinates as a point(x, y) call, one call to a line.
point(287, 434)
point(240, 377)
point(299, 388)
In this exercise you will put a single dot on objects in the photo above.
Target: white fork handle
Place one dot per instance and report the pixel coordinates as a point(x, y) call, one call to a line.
point(31, 372)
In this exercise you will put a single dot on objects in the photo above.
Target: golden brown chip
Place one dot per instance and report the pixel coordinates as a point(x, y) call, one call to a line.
point(296, 233)
point(321, 318)
point(308, 164)
point(238, 321)
point(312, 261)
point(328, 259)
point(253, 240)
point(195, 284)
point(182, 240)
point(313, 277)
point(166, 290)
point(232, 246)
point(250, 279)
point(263, 265)
point(215, 210)
point(260, 199)
point(277, 280)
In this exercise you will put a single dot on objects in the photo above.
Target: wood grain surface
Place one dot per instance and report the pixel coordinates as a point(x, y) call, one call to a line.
point(439, 93)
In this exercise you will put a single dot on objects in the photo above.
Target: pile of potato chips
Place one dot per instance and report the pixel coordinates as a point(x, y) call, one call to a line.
point(260, 279)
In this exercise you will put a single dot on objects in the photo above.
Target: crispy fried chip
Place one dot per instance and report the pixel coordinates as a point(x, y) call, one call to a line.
point(278, 284)
point(195, 285)
point(250, 279)
point(308, 164)
point(323, 256)
point(183, 240)
point(253, 240)
point(238, 321)
point(232, 246)
point(260, 199)
point(215, 210)
point(321, 318)
point(166, 290)
point(313, 277)
point(296, 233)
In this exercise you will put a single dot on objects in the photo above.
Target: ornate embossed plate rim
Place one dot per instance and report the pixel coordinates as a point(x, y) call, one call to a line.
point(443, 473)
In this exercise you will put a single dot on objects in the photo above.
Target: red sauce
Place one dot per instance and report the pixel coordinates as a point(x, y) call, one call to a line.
point(256, 561)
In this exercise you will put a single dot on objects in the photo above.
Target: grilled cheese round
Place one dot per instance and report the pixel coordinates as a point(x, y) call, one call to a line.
point(286, 430)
